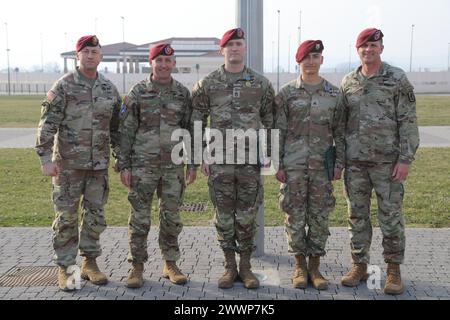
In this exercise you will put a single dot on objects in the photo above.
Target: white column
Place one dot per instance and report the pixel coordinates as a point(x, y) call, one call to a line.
point(118, 66)
point(131, 66)
point(249, 17)
point(136, 66)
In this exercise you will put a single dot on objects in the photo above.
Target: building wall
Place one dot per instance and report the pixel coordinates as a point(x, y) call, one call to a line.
point(38, 83)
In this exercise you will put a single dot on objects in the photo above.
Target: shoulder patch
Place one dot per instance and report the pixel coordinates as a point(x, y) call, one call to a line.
point(51, 96)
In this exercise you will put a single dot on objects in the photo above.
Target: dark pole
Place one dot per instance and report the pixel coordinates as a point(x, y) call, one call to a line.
point(448, 63)
point(411, 54)
point(278, 63)
point(7, 59)
point(289, 55)
point(124, 63)
point(349, 57)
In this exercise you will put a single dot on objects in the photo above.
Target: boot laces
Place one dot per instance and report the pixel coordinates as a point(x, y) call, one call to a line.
point(174, 268)
point(299, 272)
point(394, 275)
point(355, 271)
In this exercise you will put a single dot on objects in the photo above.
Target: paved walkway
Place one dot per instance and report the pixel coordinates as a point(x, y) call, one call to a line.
point(430, 137)
point(426, 272)
point(434, 137)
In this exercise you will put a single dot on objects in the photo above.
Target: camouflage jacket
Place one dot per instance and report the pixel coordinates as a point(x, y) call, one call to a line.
point(379, 116)
point(85, 121)
point(246, 103)
point(308, 124)
point(148, 118)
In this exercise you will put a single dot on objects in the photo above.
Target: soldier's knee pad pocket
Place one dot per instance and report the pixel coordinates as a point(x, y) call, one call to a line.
point(396, 191)
point(105, 189)
point(212, 191)
point(330, 200)
point(283, 197)
point(56, 192)
point(182, 189)
point(258, 195)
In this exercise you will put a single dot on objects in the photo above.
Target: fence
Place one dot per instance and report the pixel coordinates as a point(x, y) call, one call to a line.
point(38, 83)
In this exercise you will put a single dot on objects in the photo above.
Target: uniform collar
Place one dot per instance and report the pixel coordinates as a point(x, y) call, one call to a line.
point(80, 79)
point(380, 73)
point(247, 74)
point(299, 84)
point(152, 84)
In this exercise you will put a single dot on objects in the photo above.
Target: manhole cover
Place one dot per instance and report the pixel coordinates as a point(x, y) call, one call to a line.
point(194, 207)
point(30, 277)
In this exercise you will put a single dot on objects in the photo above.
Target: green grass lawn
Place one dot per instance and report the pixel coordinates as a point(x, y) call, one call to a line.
point(433, 110)
point(24, 111)
point(25, 194)
point(20, 111)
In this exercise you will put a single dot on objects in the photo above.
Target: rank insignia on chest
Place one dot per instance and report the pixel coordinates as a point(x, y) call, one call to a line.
point(236, 92)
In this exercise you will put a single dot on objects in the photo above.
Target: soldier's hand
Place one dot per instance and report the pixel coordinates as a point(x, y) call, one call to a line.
point(191, 176)
point(125, 178)
point(337, 174)
point(281, 176)
point(205, 169)
point(50, 169)
point(401, 172)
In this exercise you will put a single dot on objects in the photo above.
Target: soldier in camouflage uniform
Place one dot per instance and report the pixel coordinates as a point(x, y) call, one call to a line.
point(382, 138)
point(82, 111)
point(235, 97)
point(307, 117)
point(153, 109)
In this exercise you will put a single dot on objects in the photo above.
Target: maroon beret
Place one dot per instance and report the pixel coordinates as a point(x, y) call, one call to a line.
point(370, 34)
point(232, 34)
point(307, 47)
point(161, 49)
point(87, 41)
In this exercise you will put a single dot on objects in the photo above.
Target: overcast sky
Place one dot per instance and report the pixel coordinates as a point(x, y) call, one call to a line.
point(60, 23)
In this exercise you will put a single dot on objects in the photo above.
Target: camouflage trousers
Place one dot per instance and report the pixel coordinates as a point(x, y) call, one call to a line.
point(235, 192)
point(307, 199)
point(360, 180)
point(69, 187)
point(169, 185)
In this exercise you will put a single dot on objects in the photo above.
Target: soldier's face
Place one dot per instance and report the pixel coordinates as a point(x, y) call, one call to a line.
point(311, 64)
point(163, 67)
point(234, 51)
point(370, 52)
point(90, 57)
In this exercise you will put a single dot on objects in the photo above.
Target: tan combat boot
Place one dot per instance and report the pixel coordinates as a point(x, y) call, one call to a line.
point(63, 278)
point(300, 278)
point(173, 273)
point(136, 278)
point(227, 280)
point(393, 283)
point(245, 271)
point(91, 272)
point(356, 275)
point(318, 281)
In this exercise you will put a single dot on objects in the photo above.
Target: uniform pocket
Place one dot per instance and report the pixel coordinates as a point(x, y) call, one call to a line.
point(212, 190)
point(105, 189)
point(396, 191)
point(283, 197)
point(182, 189)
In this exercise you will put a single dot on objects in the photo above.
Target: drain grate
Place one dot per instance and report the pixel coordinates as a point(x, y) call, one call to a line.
point(30, 277)
point(194, 207)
